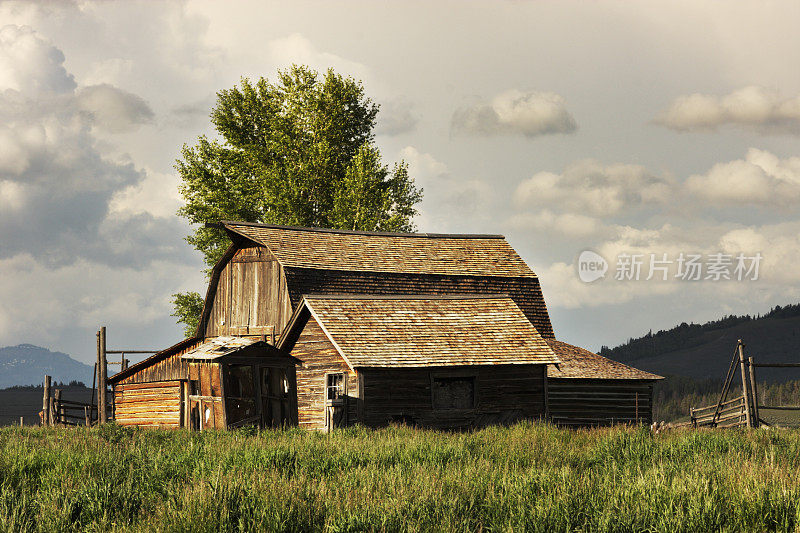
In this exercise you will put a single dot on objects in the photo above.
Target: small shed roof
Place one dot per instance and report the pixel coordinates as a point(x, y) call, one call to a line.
point(418, 253)
point(220, 347)
point(578, 363)
point(425, 331)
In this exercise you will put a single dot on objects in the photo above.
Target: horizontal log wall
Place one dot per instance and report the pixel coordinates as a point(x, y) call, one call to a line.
point(156, 404)
point(525, 292)
point(599, 402)
point(251, 297)
point(319, 357)
point(503, 394)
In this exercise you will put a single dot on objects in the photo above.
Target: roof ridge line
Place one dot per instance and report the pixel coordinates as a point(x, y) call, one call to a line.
point(357, 232)
point(487, 296)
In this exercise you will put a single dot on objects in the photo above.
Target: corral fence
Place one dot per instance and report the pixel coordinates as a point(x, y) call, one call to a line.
point(58, 411)
point(743, 410)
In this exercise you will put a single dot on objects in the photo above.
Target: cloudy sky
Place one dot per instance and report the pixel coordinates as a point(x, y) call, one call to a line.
point(617, 127)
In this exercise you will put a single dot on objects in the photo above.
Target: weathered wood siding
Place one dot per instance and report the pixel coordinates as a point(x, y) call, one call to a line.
point(251, 297)
point(525, 292)
point(156, 404)
point(600, 402)
point(503, 394)
point(319, 357)
point(171, 367)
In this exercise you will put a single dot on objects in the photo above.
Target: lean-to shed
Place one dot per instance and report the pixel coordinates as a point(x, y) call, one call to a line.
point(222, 383)
point(587, 389)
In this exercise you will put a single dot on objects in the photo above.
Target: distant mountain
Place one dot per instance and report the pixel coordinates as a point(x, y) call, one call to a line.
point(27, 364)
point(704, 351)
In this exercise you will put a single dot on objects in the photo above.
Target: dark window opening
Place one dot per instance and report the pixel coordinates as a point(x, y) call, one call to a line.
point(454, 392)
point(240, 381)
point(240, 401)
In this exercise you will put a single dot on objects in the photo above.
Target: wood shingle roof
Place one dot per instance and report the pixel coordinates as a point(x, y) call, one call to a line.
point(419, 253)
point(578, 363)
point(408, 331)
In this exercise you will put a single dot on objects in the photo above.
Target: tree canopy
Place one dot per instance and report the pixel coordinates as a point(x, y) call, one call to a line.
point(298, 151)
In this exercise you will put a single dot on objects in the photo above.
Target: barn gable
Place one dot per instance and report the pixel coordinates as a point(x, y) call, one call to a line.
point(262, 278)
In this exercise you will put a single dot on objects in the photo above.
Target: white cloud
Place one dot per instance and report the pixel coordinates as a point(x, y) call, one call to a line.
point(761, 179)
point(446, 197)
point(516, 113)
point(57, 183)
point(590, 187)
point(113, 109)
point(396, 117)
point(571, 225)
point(752, 107)
point(29, 64)
point(297, 49)
point(157, 194)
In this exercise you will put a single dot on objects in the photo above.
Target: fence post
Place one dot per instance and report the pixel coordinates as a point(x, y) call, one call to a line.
point(57, 407)
point(692, 418)
point(46, 402)
point(754, 387)
point(87, 416)
point(745, 392)
point(102, 370)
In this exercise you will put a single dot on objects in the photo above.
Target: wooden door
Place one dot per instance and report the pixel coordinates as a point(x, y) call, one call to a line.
point(275, 397)
point(335, 392)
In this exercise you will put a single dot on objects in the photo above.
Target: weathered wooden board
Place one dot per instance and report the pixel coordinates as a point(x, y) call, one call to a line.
point(319, 357)
point(157, 403)
point(600, 402)
point(249, 296)
point(502, 394)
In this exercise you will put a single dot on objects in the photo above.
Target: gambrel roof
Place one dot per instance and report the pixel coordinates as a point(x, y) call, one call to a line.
point(424, 331)
point(412, 253)
point(578, 363)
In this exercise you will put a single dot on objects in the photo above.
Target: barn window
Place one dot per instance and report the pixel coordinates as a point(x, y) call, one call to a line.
point(334, 387)
point(454, 392)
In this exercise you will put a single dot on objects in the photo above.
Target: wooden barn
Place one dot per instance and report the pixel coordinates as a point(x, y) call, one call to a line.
point(587, 389)
point(271, 281)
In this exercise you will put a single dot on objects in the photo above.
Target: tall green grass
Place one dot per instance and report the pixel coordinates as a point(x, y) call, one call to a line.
point(529, 477)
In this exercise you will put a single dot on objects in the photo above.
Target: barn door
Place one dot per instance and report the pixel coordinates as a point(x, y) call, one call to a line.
point(275, 409)
point(335, 401)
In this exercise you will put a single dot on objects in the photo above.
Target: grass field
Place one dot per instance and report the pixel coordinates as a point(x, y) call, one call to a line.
point(524, 478)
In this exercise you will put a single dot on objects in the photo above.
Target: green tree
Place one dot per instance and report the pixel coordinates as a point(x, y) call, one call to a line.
point(298, 151)
point(188, 308)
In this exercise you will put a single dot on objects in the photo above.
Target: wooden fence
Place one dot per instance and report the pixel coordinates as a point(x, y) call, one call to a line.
point(58, 411)
point(744, 410)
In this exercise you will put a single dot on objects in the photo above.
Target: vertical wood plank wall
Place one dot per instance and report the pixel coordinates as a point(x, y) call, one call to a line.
point(600, 402)
point(503, 394)
point(251, 297)
point(156, 404)
point(319, 357)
